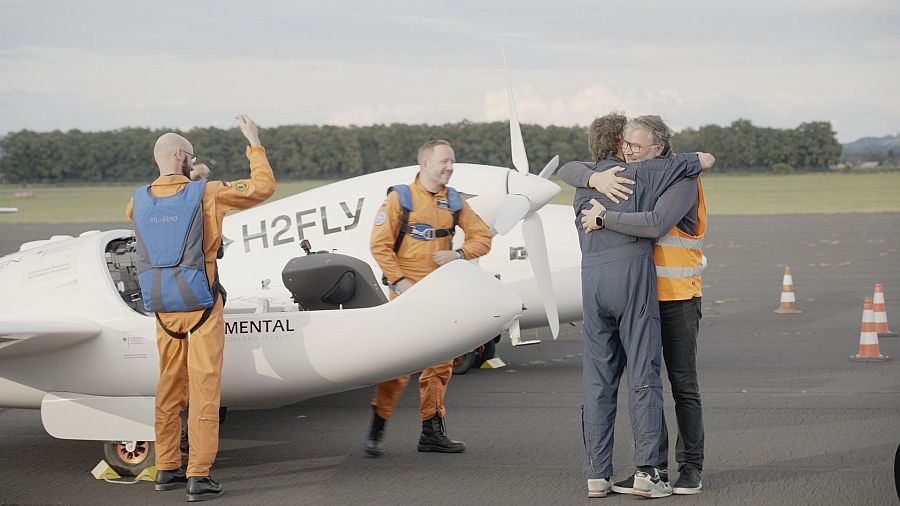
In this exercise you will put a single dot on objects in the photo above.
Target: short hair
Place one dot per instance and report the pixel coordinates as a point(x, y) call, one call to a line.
point(428, 146)
point(659, 131)
point(605, 134)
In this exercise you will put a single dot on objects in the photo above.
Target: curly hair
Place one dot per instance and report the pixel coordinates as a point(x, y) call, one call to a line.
point(605, 134)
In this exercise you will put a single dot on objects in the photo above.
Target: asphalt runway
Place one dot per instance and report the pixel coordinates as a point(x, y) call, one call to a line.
point(789, 419)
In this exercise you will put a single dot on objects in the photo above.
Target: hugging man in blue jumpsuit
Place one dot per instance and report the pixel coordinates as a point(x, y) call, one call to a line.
point(621, 313)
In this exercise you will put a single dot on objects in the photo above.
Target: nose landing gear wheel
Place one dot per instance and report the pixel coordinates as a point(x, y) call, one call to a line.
point(129, 458)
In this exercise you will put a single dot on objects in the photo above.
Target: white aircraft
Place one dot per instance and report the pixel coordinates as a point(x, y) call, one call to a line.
point(89, 362)
point(8, 210)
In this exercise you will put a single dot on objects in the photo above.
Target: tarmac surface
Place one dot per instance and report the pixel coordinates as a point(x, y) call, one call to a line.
point(789, 418)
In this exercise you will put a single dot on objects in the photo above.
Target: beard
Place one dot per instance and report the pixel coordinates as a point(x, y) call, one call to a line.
point(186, 168)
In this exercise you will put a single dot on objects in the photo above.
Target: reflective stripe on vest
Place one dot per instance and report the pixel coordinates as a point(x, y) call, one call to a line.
point(678, 272)
point(680, 242)
point(679, 258)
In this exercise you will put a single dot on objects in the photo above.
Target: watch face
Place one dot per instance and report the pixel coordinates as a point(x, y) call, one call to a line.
point(599, 221)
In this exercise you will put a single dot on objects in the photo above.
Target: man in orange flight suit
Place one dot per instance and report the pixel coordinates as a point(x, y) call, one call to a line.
point(420, 253)
point(191, 369)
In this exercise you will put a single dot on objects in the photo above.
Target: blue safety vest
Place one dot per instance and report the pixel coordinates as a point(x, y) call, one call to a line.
point(423, 231)
point(170, 260)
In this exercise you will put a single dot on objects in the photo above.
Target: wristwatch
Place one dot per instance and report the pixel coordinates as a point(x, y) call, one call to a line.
point(460, 254)
point(600, 218)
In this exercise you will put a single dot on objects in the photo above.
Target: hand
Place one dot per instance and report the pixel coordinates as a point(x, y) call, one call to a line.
point(200, 172)
point(706, 160)
point(249, 129)
point(609, 184)
point(589, 216)
point(402, 286)
point(444, 256)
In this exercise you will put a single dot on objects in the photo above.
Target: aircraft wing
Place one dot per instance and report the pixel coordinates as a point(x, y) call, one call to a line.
point(22, 336)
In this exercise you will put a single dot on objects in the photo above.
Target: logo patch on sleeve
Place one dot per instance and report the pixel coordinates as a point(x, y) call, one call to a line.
point(241, 187)
point(380, 218)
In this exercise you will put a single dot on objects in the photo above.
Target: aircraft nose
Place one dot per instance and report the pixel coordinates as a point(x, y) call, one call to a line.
point(538, 190)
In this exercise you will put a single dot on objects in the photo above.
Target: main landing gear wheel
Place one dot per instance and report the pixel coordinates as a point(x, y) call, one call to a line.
point(476, 357)
point(129, 458)
point(462, 364)
point(486, 352)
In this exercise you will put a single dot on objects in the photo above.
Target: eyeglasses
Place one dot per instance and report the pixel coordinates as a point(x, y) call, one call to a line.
point(193, 157)
point(635, 148)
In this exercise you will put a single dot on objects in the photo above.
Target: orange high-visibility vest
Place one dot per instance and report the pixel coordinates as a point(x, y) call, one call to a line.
point(679, 258)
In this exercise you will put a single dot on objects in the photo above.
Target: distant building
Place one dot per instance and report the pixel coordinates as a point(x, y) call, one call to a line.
point(869, 165)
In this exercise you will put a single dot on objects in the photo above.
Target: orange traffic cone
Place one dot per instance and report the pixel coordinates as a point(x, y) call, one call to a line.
point(788, 302)
point(881, 323)
point(868, 338)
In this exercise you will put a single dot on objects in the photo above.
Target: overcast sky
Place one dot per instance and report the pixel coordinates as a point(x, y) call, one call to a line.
point(99, 65)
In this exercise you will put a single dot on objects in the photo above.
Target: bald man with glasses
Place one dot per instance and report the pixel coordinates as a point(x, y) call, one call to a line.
point(191, 341)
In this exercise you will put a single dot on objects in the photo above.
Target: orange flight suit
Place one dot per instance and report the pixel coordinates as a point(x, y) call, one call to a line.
point(191, 369)
point(413, 261)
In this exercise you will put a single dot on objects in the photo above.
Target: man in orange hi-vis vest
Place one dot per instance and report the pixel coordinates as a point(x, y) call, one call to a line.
point(412, 237)
point(678, 222)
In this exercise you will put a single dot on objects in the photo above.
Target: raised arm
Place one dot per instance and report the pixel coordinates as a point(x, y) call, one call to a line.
point(245, 193)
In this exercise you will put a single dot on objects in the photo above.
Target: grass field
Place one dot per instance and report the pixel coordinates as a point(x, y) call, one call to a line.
point(795, 194)
point(91, 204)
point(725, 195)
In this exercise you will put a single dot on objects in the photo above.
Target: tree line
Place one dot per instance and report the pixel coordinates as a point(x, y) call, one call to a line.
point(333, 152)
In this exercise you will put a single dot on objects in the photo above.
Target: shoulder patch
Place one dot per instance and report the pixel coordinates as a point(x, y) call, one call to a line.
point(380, 217)
point(240, 186)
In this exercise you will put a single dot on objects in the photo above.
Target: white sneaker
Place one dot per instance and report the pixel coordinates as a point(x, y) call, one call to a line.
point(647, 485)
point(598, 487)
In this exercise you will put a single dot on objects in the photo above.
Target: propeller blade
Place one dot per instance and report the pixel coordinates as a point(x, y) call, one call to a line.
point(513, 209)
point(536, 245)
point(519, 157)
point(550, 168)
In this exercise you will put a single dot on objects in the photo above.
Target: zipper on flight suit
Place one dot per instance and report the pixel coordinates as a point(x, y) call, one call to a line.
point(584, 442)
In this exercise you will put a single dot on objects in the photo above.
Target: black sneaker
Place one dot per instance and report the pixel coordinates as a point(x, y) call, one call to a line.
point(625, 486)
point(688, 480)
